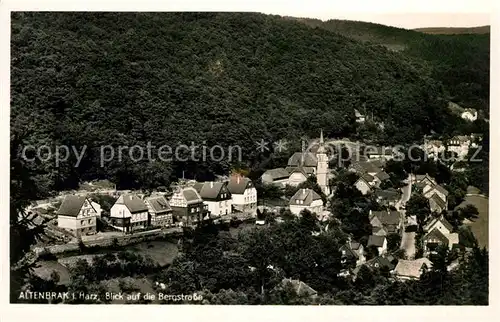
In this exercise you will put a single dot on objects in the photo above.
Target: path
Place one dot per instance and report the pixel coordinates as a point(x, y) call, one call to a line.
point(408, 244)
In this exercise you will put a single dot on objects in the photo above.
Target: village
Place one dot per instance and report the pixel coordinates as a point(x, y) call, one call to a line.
point(98, 214)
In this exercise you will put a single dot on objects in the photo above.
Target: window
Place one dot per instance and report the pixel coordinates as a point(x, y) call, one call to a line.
point(81, 222)
point(90, 221)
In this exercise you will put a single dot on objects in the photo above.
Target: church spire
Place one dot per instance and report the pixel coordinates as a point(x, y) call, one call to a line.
point(321, 148)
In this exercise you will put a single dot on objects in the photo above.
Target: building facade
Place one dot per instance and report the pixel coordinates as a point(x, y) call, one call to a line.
point(77, 215)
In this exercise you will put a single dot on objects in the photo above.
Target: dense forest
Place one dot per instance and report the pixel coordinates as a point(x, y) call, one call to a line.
point(97, 79)
point(458, 58)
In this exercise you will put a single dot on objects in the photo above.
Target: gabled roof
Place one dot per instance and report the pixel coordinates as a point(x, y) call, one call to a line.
point(368, 178)
point(437, 199)
point(309, 160)
point(133, 203)
point(238, 184)
point(365, 166)
point(376, 240)
point(436, 234)
point(392, 217)
point(306, 195)
point(159, 204)
point(198, 186)
point(301, 288)
point(378, 163)
point(355, 245)
point(191, 195)
point(441, 189)
point(347, 252)
point(71, 205)
point(411, 268)
point(300, 170)
point(210, 190)
point(378, 262)
point(278, 173)
point(421, 177)
point(382, 175)
point(443, 221)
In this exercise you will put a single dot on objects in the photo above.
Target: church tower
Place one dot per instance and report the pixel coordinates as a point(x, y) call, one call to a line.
point(322, 170)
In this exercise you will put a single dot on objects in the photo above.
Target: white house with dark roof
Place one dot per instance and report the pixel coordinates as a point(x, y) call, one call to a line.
point(159, 210)
point(129, 213)
point(365, 183)
point(217, 197)
point(77, 214)
point(243, 193)
point(306, 199)
point(439, 232)
point(385, 222)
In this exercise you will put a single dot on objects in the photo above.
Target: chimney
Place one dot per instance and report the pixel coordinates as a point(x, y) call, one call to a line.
point(238, 179)
point(303, 191)
point(211, 184)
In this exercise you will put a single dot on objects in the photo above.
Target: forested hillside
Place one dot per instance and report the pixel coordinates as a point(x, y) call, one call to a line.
point(224, 78)
point(458, 57)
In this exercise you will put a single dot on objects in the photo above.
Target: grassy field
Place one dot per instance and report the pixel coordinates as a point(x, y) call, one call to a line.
point(479, 226)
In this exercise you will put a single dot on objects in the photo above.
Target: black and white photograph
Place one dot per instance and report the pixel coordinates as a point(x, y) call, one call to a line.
point(249, 158)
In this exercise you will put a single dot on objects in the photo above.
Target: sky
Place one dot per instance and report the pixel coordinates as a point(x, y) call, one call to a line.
point(399, 13)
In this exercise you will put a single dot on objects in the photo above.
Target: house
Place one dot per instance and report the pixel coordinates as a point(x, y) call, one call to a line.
point(441, 224)
point(187, 206)
point(77, 214)
point(298, 175)
point(437, 196)
point(160, 213)
point(380, 177)
point(278, 176)
point(302, 165)
point(129, 213)
point(435, 237)
point(360, 118)
point(385, 222)
point(352, 254)
point(362, 167)
point(433, 148)
point(243, 193)
point(364, 183)
point(217, 197)
point(97, 208)
point(469, 114)
point(379, 153)
point(379, 262)
point(439, 232)
point(460, 145)
point(422, 180)
point(300, 288)
point(306, 199)
point(378, 241)
point(411, 269)
point(388, 197)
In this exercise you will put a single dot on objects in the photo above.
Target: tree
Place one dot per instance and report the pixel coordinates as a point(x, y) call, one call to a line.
point(418, 206)
point(393, 242)
point(469, 212)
